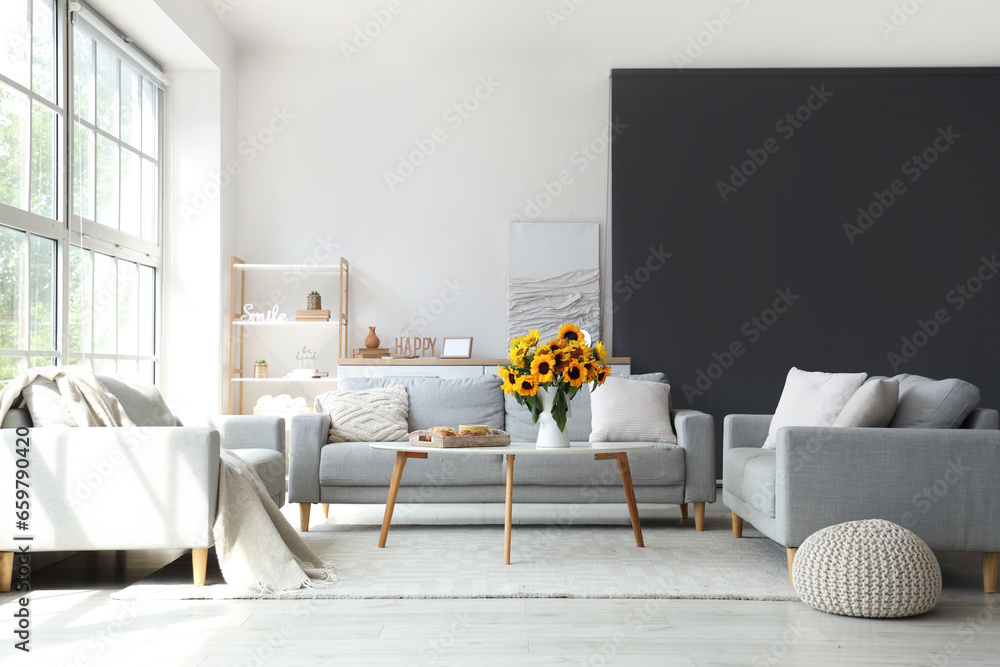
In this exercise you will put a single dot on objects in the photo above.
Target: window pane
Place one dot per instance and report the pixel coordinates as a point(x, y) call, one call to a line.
point(131, 115)
point(83, 75)
point(107, 90)
point(147, 311)
point(83, 171)
point(128, 308)
point(11, 256)
point(9, 368)
point(105, 304)
point(80, 307)
point(42, 290)
point(107, 182)
point(149, 117)
point(146, 369)
point(14, 139)
point(44, 179)
point(15, 40)
point(43, 49)
point(131, 192)
point(37, 362)
point(104, 366)
point(150, 205)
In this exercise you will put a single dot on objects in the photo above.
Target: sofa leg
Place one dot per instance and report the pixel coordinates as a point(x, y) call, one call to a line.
point(791, 559)
point(990, 562)
point(699, 516)
point(304, 516)
point(7, 570)
point(737, 526)
point(684, 510)
point(199, 565)
point(326, 510)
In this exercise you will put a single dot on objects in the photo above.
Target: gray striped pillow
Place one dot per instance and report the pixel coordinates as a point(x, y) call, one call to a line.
point(631, 411)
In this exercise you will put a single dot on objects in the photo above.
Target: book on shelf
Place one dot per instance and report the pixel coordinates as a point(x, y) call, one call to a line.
point(306, 374)
point(299, 318)
point(312, 313)
point(371, 352)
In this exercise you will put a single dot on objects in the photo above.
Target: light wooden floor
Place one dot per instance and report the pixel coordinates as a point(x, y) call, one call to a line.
point(75, 623)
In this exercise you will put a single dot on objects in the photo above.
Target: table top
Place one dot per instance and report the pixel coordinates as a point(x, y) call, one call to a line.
point(527, 448)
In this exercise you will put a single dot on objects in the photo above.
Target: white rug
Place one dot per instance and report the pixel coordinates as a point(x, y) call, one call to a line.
point(551, 561)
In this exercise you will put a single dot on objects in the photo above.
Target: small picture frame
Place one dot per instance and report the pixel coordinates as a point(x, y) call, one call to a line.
point(456, 348)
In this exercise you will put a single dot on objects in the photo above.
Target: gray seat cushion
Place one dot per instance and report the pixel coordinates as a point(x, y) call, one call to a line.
point(357, 464)
point(662, 465)
point(270, 467)
point(748, 474)
point(926, 403)
point(444, 402)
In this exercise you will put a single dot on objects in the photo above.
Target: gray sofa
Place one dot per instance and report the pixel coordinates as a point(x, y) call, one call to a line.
point(943, 484)
point(355, 473)
point(142, 487)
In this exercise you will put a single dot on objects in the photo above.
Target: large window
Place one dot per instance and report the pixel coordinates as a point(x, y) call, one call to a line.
point(80, 191)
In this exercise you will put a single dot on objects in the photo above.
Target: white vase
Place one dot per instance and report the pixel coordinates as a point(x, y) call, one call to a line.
point(549, 435)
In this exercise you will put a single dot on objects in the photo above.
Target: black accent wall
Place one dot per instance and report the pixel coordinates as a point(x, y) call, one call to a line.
point(839, 220)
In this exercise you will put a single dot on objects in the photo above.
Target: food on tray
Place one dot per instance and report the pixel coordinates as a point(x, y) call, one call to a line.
point(468, 432)
point(446, 431)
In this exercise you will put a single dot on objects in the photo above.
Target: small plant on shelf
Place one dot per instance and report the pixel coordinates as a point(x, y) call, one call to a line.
point(313, 301)
point(260, 368)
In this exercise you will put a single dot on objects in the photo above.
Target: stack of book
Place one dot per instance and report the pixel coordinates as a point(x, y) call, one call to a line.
point(306, 374)
point(312, 315)
point(371, 352)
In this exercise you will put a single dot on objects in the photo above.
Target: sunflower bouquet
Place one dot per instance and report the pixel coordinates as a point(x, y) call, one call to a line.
point(564, 363)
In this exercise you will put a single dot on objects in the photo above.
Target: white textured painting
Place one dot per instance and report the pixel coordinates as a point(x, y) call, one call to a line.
point(554, 277)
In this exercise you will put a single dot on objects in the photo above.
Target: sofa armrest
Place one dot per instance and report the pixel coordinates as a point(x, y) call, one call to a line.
point(939, 483)
point(114, 488)
point(696, 434)
point(250, 431)
point(745, 430)
point(981, 418)
point(310, 433)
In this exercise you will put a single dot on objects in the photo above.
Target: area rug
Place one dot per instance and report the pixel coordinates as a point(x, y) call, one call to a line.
point(550, 561)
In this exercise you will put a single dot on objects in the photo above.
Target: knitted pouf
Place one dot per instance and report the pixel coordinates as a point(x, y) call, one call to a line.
point(872, 569)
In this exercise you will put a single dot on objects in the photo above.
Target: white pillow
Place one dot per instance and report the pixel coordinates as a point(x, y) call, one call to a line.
point(872, 406)
point(368, 415)
point(631, 411)
point(812, 399)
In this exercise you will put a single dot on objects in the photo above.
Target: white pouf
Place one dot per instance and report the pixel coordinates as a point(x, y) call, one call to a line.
point(872, 569)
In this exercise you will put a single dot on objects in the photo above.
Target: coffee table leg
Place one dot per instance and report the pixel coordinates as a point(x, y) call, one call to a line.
point(633, 510)
point(390, 502)
point(510, 506)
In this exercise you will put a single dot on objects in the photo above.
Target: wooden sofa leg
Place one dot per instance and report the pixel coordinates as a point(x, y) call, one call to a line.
point(326, 510)
point(684, 510)
point(791, 559)
point(699, 516)
point(199, 565)
point(304, 516)
point(7, 570)
point(737, 526)
point(990, 562)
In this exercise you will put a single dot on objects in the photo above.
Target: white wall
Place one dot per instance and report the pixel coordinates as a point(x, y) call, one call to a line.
point(323, 176)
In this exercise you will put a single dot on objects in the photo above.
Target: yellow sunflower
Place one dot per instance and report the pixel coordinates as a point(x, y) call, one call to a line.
point(543, 367)
point(601, 375)
point(531, 338)
point(600, 352)
point(560, 355)
point(527, 385)
point(570, 332)
point(574, 374)
point(509, 377)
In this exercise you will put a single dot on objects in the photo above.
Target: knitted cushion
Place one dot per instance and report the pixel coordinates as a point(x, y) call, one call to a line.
point(872, 569)
point(369, 415)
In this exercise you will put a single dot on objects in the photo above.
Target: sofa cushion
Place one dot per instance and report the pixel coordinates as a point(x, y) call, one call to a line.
point(631, 411)
point(926, 403)
point(17, 417)
point(662, 465)
point(357, 464)
point(141, 401)
point(444, 402)
point(46, 405)
point(270, 467)
point(748, 474)
point(872, 406)
point(517, 419)
point(812, 399)
point(367, 415)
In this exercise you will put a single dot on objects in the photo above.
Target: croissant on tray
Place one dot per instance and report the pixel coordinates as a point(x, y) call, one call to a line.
point(444, 430)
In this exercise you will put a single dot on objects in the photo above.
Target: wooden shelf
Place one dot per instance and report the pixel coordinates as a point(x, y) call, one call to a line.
point(432, 361)
point(249, 323)
point(285, 380)
point(308, 268)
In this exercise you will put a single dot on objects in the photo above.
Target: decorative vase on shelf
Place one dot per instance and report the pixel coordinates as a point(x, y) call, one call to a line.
point(544, 377)
point(372, 341)
point(314, 302)
point(260, 370)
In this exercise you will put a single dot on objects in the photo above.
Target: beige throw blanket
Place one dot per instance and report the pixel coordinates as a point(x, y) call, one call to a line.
point(258, 550)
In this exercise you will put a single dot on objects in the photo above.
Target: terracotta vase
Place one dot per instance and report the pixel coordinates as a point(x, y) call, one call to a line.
point(372, 340)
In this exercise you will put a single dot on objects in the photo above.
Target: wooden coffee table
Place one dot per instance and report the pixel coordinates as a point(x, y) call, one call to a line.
point(600, 452)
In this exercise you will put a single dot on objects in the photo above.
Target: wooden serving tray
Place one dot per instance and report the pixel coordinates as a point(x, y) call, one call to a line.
point(433, 439)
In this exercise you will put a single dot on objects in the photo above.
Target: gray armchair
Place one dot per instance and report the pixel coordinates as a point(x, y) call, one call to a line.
point(128, 488)
point(939, 483)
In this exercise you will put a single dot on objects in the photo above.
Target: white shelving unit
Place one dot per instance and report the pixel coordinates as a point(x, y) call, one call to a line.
point(237, 327)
